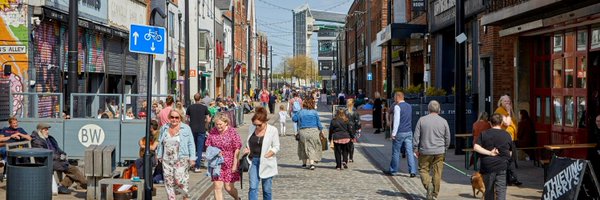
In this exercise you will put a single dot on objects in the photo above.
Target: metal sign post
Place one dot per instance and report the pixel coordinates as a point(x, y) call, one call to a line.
point(149, 40)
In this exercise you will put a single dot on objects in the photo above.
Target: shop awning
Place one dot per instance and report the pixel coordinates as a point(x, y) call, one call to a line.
point(399, 31)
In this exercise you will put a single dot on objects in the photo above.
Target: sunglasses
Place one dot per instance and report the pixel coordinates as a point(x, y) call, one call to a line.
point(258, 125)
point(174, 117)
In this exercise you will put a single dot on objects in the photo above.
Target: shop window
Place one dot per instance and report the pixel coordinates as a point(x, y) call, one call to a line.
point(569, 72)
point(595, 43)
point(557, 67)
point(547, 111)
point(581, 112)
point(581, 72)
point(538, 109)
point(557, 111)
point(582, 40)
point(558, 43)
point(569, 111)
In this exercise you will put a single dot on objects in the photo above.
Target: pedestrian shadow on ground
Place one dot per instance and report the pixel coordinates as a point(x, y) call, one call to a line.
point(470, 196)
point(369, 171)
point(525, 197)
point(399, 194)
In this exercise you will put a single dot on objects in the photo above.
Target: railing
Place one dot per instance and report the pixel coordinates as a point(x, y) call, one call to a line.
point(496, 5)
point(36, 105)
point(84, 105)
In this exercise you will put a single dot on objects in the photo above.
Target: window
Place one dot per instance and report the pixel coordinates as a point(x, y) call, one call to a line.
point(582, 40)
point(547, 111)
point(569, 111)
point(569, 72)
point(538, 109)
point(557, 67)
point(558, 111)
point(558, 43)
point(171, 24)
point(202, 49)
point(581, 112)
point(581, 71)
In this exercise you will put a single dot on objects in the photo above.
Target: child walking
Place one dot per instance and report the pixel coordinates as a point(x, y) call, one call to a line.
point(283, 115)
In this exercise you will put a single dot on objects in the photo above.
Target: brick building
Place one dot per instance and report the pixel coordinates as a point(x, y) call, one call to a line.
point(540, 53)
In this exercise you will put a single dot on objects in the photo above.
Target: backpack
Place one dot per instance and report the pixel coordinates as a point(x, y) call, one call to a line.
point(296, 106)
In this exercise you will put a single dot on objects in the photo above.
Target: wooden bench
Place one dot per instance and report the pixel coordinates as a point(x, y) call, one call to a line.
point(110, 182)
point(468, 151)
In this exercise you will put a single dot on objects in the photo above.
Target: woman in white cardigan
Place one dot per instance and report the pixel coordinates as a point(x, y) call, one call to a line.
point(262, 145)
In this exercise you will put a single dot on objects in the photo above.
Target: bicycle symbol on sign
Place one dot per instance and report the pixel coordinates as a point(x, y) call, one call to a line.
point(152, 35)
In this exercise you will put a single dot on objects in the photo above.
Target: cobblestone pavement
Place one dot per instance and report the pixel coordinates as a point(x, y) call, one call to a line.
point(363, 179)
point(360, 181)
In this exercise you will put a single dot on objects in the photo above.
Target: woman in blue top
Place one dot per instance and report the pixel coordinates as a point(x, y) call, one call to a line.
point(310, 130)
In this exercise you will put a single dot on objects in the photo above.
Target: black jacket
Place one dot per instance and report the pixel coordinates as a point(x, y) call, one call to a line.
point(39, 142)
point(339, 129)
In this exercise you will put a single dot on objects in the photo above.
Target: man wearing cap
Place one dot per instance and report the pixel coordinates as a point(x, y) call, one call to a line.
point(41, 139)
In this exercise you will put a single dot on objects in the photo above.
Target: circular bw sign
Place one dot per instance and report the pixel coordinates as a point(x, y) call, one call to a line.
point(91, 134)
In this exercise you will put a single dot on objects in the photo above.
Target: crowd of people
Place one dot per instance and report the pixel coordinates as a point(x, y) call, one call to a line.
point(202, 135)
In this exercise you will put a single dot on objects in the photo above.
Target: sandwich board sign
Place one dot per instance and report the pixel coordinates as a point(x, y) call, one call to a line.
point(569, 178)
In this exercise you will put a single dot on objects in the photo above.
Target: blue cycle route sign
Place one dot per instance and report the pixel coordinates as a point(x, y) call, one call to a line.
point(146, 39)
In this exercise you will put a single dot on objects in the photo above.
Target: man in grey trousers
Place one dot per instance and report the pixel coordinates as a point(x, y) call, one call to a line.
point(431, 140)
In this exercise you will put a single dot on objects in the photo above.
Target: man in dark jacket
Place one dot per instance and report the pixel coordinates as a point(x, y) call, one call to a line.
point(41, 139)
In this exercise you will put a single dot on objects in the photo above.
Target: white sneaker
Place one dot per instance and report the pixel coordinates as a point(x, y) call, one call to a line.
point(197, 170)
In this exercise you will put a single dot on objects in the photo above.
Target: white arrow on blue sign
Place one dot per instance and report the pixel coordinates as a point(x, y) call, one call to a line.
point(147, 39)
point(369, 76)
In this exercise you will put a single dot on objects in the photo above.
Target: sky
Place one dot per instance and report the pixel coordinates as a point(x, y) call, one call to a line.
point(274, 17)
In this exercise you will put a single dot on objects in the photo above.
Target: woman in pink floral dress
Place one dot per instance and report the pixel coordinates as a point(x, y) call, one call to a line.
point(228, 141)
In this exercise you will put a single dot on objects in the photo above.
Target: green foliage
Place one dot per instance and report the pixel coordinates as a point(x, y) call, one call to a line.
point(433, 91)
point(414, 89)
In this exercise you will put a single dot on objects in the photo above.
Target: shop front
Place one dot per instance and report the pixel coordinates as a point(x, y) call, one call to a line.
point(556, 56)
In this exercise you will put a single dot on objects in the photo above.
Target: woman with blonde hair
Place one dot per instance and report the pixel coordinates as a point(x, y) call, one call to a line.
point(310, 132)
point(505, 108)
point(228, 141)
point(354, 120)
point(177, 152)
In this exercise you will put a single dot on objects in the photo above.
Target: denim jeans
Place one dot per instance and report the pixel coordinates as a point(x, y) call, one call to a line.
point(267, 183)
point(3, 153)
point(407, 139)
point(199, 138)
point(495, 183)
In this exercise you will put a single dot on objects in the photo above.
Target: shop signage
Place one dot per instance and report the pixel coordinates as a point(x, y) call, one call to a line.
point(13, 49)
point(91, 134)
point(192, 73)
point(418, 5)
point(124, 12)
point(84, 23)
point(570, 179)
point(96, 10)
point(384, 35)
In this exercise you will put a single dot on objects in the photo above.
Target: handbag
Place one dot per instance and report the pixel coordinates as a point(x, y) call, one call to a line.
point(244, 164)
point(324, 145)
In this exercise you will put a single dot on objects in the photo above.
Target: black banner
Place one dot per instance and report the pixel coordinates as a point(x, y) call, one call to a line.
point(570, 179)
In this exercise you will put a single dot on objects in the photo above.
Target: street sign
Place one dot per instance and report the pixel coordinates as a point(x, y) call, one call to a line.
point(147, 39)
point(369, 76)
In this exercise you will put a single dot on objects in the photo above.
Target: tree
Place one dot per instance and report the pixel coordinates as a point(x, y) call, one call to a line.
point(302, 67)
